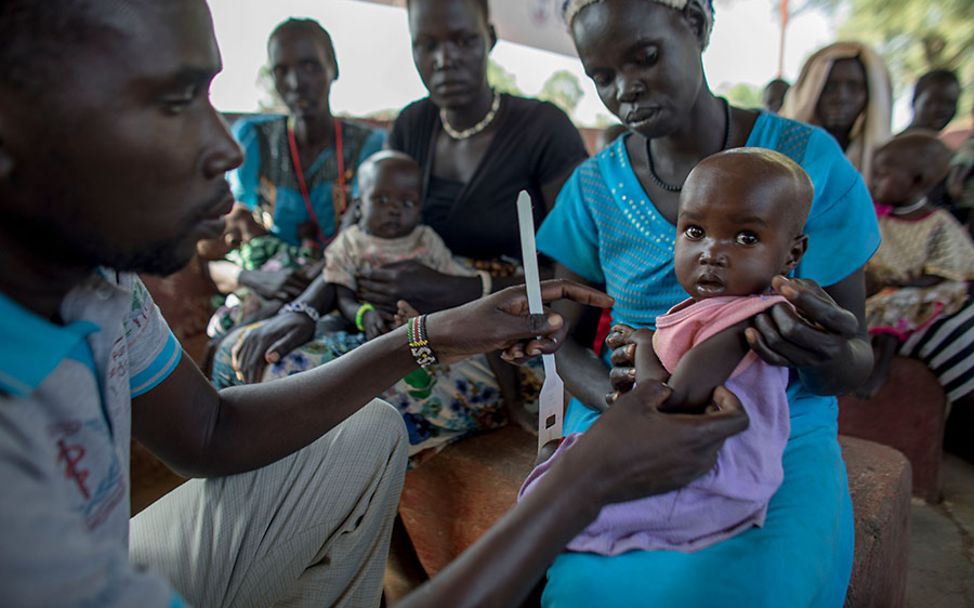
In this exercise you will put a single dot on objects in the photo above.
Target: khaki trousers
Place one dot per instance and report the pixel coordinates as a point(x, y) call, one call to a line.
point(312, 529)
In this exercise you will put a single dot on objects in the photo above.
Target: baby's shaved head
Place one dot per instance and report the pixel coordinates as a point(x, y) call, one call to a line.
point(370, 167)
point(756, 172)
point(919, 153)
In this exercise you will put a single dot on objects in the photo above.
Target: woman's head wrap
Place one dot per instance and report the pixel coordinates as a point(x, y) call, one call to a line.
point(571, 8)
point(872, 128)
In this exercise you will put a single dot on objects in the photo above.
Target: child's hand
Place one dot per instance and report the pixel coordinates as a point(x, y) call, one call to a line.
point(374, 325)
point(625, 343)
point(404, 312)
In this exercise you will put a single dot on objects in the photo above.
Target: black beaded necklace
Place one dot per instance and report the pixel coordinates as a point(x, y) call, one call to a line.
point(649, 152)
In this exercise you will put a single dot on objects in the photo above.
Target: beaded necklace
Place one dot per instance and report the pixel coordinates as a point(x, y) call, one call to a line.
point(652, 166)
point(477, 128)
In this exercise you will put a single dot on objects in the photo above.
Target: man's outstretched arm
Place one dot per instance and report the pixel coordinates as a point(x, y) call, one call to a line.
point(201, 432)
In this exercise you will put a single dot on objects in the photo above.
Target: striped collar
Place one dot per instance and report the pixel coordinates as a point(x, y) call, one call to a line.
point(32, 347)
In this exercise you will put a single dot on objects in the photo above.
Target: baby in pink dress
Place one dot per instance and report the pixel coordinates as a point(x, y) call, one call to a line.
point(742, 213)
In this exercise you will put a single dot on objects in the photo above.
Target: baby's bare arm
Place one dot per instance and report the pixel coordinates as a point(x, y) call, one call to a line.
point(348, 304)
point(646, 359)
point(705, 367)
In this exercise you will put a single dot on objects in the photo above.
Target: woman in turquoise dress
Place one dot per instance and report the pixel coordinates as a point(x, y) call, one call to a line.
point(614, 225)
point(299, 171)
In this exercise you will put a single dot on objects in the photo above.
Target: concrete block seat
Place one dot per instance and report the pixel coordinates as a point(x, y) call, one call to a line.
point(907, 414)
point(879, 482)
point(449, 502)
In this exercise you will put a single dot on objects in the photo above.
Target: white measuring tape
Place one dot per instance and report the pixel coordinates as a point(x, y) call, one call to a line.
point(552, 400)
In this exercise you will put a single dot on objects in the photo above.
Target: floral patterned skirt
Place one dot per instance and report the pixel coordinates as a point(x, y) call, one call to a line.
point(906, 310)
point(440, 407)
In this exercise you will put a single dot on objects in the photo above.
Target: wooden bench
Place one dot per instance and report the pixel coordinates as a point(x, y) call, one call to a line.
point(449, 502)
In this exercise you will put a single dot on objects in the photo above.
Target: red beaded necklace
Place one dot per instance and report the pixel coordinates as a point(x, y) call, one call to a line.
point(341, 204)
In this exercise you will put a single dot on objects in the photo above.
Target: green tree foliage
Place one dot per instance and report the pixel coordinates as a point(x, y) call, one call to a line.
point(742, 95)
point(562, 89)
point(914, 36)
point(502, 80)
point(388, 115)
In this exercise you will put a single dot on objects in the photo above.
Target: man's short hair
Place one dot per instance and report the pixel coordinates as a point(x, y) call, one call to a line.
point(38, 36)
point(931, 78)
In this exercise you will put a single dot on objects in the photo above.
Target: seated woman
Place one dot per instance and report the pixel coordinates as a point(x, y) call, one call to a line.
point(299, 169)
point(614, 224)
point(477, 149)
point(845, 89)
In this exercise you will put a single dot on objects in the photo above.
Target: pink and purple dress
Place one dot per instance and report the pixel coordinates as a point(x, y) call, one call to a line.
point(734, 495)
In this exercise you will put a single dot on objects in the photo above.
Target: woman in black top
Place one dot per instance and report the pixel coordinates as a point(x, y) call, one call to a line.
point(531, 147)
point(478, 149)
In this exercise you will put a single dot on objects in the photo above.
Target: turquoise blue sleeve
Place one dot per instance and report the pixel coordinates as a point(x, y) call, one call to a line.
point(245, 179)
point(158, 369)
point(842, 229)
point(569, 235)
point(375, 142)
point(154, 352)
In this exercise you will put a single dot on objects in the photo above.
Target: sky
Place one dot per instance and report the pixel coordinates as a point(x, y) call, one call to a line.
point(377, 73)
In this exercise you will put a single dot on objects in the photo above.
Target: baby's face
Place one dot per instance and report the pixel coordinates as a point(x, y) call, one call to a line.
point(733, 239)
point(893, 177)
point(391, 203)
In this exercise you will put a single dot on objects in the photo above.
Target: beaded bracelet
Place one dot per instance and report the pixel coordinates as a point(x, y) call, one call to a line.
point(360, 315)
point(419, 344)
point(302, 307)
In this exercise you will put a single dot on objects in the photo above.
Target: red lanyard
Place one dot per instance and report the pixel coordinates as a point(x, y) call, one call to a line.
point(296, 161)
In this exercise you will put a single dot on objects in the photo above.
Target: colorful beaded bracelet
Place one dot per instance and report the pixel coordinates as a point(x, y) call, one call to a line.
point(419, 344)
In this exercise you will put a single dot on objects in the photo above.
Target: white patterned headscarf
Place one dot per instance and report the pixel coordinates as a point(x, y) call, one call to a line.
point(571, 9)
